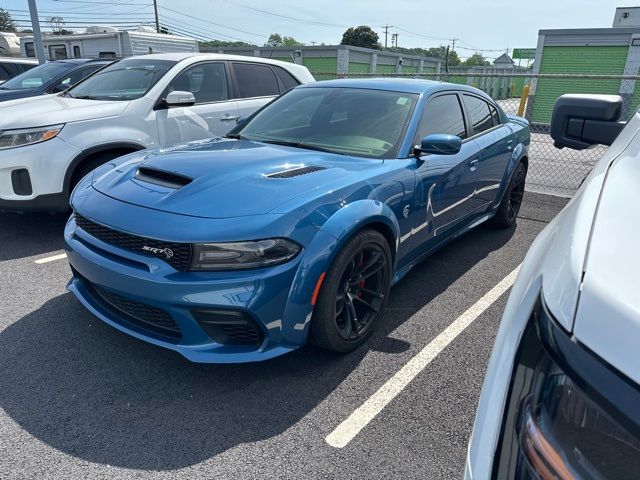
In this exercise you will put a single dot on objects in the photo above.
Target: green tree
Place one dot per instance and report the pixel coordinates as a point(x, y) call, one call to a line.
point(441, 52)
point(6, 22)
point(476, 60)
point(362, 36)
point(277, 40)
point(222, 44)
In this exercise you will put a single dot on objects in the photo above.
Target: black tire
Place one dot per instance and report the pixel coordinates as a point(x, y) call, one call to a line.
point(353, 293)
point(91, 163)
point(507, 213)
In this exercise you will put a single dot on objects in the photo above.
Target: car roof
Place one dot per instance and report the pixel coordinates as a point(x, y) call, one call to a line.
point(178, 57)
point(18, 60)
point(406, 85)
point(81, 60)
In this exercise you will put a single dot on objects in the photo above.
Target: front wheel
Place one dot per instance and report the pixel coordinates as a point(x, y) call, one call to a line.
point(353, 293)
point(509, 207)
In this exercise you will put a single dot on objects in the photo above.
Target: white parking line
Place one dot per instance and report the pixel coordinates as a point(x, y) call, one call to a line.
point(50, 259)
point(348, 429)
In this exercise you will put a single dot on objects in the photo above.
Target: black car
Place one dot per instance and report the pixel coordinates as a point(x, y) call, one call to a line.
point(12, 67)
point(51, 77)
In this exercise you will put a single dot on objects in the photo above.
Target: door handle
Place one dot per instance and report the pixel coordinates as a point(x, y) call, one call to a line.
point(473, 164)
point(229, 118)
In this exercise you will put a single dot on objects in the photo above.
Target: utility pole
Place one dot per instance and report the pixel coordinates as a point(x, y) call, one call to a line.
point(37, 34)
point(313, 43)
point(155, 11)
point(394, 40)
point(453, 44)
point(386, 33)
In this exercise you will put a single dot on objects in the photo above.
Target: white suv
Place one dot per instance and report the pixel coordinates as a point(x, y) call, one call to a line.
point(49, 143)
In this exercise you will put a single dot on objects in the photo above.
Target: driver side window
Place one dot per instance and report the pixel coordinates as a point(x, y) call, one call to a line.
point(442, 114)
point(207, 82)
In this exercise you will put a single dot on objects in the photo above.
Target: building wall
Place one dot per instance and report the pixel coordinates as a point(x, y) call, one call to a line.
point(605, 60)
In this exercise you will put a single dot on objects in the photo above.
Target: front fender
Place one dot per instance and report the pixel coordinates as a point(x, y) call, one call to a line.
point(320, 253)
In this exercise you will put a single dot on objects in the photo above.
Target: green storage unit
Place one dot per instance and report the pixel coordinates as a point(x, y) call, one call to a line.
point(385, 68)
point(408, 69)
point(358, 67)
point(328, 66)
point(605, 60)
point(429, 70)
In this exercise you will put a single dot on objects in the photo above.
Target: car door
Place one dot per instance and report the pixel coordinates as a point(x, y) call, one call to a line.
point(213, 113)
point(445, 184)
point(255, 85)
point(495, 145)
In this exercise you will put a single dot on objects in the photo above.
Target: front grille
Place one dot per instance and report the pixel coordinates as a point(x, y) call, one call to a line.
point(139, 314)
point(178, 255)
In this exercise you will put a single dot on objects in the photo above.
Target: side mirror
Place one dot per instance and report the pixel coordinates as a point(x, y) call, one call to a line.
point(180, 98)
point(579, 121)
point(241, 120)
point(440, 144)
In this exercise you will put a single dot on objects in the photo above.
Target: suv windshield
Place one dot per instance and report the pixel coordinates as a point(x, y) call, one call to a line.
point(349, 121)
point(124, 80)
point(37, 76)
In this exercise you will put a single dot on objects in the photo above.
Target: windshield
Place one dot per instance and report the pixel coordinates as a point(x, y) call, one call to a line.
point(124, 80)
point(37, 76)
point(350, 121)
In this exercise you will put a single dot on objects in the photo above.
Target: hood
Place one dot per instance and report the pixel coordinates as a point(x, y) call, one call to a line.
point(53, 109)
point(6, 95)
point(224, 178)
point(608, 315)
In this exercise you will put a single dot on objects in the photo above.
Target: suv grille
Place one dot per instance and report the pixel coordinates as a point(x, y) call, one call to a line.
point(139, 314)
point(178, 255)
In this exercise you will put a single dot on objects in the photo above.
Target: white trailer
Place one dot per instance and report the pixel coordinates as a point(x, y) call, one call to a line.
point(9, 44)
point(108, 42)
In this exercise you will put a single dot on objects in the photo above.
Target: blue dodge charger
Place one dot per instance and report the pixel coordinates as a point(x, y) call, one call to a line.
point(295, 226)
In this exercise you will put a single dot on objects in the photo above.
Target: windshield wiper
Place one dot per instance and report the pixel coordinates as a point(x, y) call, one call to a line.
point(82, 97)
point(235, 136)
point(305, 146)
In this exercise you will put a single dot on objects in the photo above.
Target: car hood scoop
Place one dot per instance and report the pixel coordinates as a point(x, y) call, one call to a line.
point(219, 178)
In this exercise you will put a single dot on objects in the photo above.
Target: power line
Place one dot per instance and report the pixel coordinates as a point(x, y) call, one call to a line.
point(213, 23)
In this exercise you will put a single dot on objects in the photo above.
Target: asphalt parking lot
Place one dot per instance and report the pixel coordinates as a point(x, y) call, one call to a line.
point(78, 399)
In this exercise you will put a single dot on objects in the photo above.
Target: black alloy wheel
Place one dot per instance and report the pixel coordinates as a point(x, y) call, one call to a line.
point(353, 293)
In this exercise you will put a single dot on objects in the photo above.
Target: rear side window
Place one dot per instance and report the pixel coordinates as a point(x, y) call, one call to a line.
point(443, 114)
point(495, 115)
point(479, 113)
point(255, 80)
point(4, 75)
point(286, 78)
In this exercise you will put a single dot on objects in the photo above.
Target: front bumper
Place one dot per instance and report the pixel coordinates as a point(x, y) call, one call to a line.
point(47, 164)
point(263, 294)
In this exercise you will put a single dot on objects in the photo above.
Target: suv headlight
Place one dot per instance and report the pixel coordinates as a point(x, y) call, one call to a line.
point(569, 415)
point(242, 255)
point(28, 136)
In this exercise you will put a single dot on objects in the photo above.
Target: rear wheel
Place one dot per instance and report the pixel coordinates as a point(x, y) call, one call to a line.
point(509, 207)
point(353, 293)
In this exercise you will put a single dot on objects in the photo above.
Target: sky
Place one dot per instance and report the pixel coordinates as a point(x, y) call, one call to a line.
point(491, 26)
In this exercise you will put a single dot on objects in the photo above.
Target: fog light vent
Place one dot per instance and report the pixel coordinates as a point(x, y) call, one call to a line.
point(21, 182)
point(229, 327)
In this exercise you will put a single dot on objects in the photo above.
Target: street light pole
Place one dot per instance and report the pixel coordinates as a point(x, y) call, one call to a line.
point(37, 35)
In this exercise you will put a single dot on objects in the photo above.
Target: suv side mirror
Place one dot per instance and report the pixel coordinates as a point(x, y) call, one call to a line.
point(439, 144)
point(579, 121)
point(179, 98)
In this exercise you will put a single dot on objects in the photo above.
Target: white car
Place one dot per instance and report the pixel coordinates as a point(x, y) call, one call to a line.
point(48, 143)
point(561, 398)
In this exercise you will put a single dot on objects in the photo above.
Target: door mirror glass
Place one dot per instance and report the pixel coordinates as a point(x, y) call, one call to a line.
point(440, 144)
point(180, 98)
point(579, 121)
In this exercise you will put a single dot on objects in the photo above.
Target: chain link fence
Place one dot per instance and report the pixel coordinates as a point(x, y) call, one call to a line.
point(551, 170)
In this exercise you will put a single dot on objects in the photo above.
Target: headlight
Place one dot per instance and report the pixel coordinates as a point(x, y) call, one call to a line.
point(569, 416)
point(28, 136)
point(241, 255)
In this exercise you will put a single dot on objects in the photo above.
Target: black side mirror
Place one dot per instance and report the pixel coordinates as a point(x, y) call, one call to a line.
point(579, 121)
